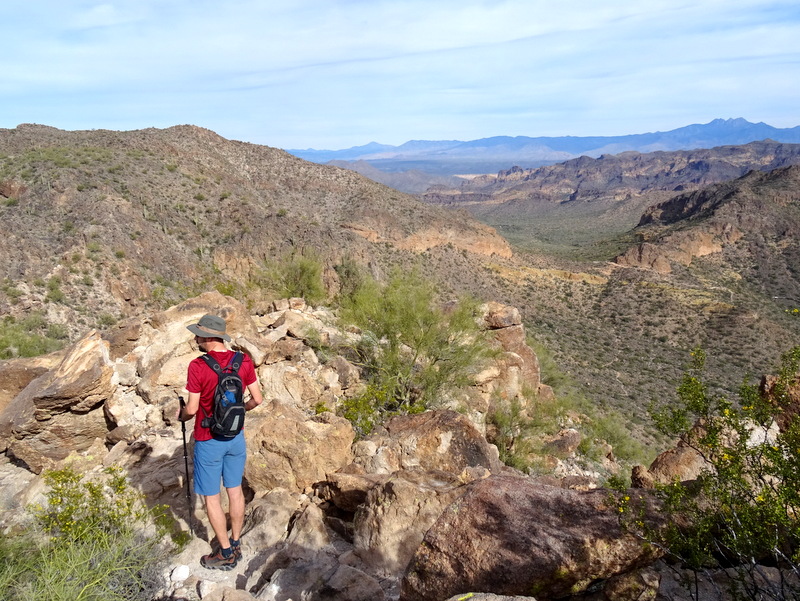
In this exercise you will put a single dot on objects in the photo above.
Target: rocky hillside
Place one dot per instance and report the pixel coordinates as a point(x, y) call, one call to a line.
point(420, 510)
point(759, 209)
point(568, 199)
point(102, 224)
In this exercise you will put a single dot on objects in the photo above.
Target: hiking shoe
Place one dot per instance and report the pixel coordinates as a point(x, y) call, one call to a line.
point(216, 561)
point(237, 551)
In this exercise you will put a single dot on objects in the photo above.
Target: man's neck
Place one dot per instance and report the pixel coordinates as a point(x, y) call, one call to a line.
point(217, 347)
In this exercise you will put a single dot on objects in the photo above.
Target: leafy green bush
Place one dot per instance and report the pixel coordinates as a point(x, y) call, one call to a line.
point(94, 539)
point(743, 511)
point(414, 352)
point(512, 432)
point(30, 337)
point(295, 275)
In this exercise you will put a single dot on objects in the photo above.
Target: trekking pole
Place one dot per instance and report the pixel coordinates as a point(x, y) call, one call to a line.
point(186, 465)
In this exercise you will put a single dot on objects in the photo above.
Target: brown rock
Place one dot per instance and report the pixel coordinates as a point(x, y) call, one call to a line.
point(391, 523)
point(16, 374)
point(565, 443)
point(288, 449)
point(789, 404)
point(347, 491)
point(681, 463)
point(497, 315)
point(511, 536)
point(438, 440)
point(58, 412)
point(641, 477)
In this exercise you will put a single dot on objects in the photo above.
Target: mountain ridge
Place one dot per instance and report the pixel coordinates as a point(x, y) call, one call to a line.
point(448, 156)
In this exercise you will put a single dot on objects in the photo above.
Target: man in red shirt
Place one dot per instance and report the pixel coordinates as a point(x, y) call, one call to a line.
point(218, 459)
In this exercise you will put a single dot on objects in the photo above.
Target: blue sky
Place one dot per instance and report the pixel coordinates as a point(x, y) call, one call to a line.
point(339, 73)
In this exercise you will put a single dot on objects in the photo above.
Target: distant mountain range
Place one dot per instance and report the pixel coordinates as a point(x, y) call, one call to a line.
point(489, 155)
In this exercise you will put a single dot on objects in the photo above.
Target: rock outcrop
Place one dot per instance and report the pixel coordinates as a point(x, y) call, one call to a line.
point(330, 516)
point(547, 542)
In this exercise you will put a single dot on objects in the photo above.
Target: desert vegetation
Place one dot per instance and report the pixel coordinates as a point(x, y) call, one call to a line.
point(93, 538)
point(741, 513)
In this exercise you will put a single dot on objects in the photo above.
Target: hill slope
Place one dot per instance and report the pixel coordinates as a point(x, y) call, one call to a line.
point(538, 208)
point(102, 225)
point(108, 222)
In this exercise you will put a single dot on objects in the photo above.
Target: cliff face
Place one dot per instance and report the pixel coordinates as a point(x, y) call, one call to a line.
point(617, 177)
point(759, 211)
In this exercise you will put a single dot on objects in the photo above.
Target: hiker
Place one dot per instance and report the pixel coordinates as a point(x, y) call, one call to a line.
point(218, 458)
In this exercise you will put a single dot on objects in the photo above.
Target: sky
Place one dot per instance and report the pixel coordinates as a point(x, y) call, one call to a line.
point(331, 74)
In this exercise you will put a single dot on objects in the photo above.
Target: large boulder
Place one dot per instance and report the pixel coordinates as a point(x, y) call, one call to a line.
point(435, 440)
point(390, 524)
point(60, 412)
point(511, 536)
point(290, 449)
point(16, 374)
point(165, 347)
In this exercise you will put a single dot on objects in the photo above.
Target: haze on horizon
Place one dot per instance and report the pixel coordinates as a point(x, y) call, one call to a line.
point(332, 74)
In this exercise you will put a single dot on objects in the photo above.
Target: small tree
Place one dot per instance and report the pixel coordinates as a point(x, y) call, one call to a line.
point(413, 350)
point(743, 511)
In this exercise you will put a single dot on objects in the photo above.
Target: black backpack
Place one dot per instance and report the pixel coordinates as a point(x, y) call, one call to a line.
point(227, 408)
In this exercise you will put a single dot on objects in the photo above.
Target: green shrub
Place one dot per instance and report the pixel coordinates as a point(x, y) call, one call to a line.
point(105, 320)
point(351, 278)
point(512, 433)
point(414, 352)
point(744, 509)
point(12, 292)
point(94, 539)
point(30, 337)
point(57, 331)
point(295, 275)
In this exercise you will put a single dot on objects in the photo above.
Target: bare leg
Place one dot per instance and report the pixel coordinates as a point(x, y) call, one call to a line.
point(218, 520)
point(236, 508)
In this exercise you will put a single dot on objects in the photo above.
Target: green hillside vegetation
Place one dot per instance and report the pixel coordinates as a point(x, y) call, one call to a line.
point(103, 226)
point(94, 538)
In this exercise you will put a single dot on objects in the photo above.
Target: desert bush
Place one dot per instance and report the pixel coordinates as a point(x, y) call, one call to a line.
point(30, 337)
point(413, 351)
point(513, 433)
point(298, 274)
point(743, 511)
point(351, 278)
point(93, 539)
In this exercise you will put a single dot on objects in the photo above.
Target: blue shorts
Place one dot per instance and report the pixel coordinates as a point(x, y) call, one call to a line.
point(218, 459)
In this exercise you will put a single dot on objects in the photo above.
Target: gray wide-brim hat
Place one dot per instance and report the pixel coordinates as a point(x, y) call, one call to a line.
point(209, 326)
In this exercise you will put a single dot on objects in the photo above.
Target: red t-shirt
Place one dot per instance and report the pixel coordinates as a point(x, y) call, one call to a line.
point(204, 380)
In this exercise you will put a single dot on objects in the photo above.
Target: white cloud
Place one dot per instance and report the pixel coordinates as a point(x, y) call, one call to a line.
point(334, 73)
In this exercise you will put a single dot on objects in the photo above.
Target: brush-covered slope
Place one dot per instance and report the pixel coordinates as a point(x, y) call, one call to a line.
point(101, 222)
point(752, 223)
point(566, 202)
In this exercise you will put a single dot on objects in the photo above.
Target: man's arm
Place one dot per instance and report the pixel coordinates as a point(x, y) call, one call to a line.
point(255, 396)
point(190, 409)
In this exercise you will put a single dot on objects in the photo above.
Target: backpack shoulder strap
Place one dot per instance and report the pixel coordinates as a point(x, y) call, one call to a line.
point(212, 363)
point(236, 362)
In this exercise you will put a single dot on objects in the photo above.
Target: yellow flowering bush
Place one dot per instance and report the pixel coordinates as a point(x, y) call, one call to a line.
point(743, 511)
